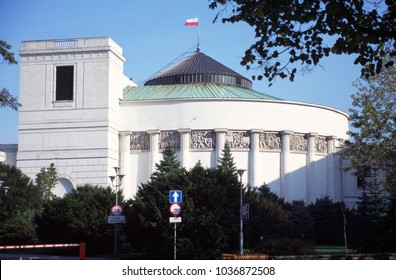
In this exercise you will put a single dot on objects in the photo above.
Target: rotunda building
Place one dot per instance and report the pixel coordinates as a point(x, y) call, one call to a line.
point(199, 104)
point(81, 113)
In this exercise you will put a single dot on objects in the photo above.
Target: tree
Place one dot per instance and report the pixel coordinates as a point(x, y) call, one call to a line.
point(19, 207)
point(271, 228)
point(226, 161)
point(306, 31)
point(328, 221)
point(371, 153)
point(370, 232)
point(80, 215)
point(46, 181)
point(373, 140)
point(6, 99)
point(153, 233)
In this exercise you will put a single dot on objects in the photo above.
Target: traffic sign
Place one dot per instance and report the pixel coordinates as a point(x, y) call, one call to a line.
point(115, 219)
point(174, 219)
point(175, 196)
point(116, 210)
point(175, 209)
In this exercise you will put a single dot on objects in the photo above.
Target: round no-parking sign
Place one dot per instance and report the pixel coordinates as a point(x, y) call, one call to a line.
point(116, 210)
point(175, 209)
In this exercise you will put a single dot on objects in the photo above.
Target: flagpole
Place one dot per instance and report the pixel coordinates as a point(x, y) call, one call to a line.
point(198, 39)
point(194, 22)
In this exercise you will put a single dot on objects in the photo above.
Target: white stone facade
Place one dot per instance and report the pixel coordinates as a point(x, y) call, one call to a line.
point(289, 145)
point(79, 135)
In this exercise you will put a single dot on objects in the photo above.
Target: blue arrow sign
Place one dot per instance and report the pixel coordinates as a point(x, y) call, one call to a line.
point(175, 196)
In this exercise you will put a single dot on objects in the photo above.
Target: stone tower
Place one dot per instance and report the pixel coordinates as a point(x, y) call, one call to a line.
point(70, 91)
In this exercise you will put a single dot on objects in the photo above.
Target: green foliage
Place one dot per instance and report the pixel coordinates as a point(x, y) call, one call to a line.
point(46, 181)
point(373, 147)
point(212, 213)
point(6, 54)
point(370, 228)
point(373, 143)
point(271, 229)
point(153, 234)
point(79, 216)
point(19, 207)
point(226, 161)
point(328, 221)
point(297, 32)
point(6, 99)
point(20, 229)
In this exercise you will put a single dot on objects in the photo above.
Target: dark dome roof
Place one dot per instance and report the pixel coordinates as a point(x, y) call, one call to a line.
point(199, 68)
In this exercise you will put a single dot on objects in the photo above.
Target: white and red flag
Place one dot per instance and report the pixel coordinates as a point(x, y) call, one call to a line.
point(191, 22)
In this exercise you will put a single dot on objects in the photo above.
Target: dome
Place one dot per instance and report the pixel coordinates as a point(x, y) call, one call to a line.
point(199, 68)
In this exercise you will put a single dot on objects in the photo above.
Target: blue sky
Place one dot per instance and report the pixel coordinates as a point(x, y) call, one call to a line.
point(152, 34)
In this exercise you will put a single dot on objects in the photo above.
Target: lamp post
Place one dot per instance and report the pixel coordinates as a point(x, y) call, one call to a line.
point(118, 182)
point(240, 172)
point(4, 188)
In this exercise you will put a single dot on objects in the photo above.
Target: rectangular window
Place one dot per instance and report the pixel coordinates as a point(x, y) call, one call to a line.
point(64, 83)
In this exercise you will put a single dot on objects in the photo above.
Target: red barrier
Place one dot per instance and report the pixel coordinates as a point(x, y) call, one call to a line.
point(82, 246)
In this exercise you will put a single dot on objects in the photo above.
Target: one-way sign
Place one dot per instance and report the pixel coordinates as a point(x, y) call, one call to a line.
point(175, 196)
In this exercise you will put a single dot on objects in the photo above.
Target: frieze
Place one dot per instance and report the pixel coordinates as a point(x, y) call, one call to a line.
point(202, 140)
point(140, 141)
point(238, 139)
point(63, 56)
point(320, 145)
point(298, 142)
point(169, 138)
point(269, 141)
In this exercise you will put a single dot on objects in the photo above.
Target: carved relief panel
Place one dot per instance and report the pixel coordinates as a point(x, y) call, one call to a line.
point(169, 138)
point(269, 141)
point(238, 139)
point(202, 140)
point(320, 145)
point(140, 141)
point(298, 143)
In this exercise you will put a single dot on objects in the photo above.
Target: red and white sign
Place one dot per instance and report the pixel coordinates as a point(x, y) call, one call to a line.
point(175, 209)
point(116, 210)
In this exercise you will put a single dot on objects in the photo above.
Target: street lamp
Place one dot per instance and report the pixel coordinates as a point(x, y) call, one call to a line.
point(240, 172)
point(4, 188)
point(116, 182)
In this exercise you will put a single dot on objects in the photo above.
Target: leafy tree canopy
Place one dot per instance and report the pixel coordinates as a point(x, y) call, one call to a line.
point(373, 141)
point(303, 32)
point(5, 52)
point(46, 181)
point(18, 207)
point(6, 98)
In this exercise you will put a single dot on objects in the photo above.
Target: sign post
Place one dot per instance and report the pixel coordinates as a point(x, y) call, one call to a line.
point(175, 197)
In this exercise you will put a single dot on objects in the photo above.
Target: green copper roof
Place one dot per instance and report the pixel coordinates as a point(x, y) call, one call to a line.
point(192, 91)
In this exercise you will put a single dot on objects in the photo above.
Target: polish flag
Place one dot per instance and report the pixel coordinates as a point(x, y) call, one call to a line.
point(191, 22)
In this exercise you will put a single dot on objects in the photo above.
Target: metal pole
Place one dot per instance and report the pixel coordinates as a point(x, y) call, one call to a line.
point(174, 245)
point(240, 172)
point(241, 222)
point(115, 240)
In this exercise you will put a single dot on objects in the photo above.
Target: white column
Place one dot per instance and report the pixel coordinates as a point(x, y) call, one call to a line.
point(220, 142)
point(310, 167)
point(154, 149)
point(125, 164)
point(331, 190)
point(254, 156)
point(184, 146)
point(284, 162)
